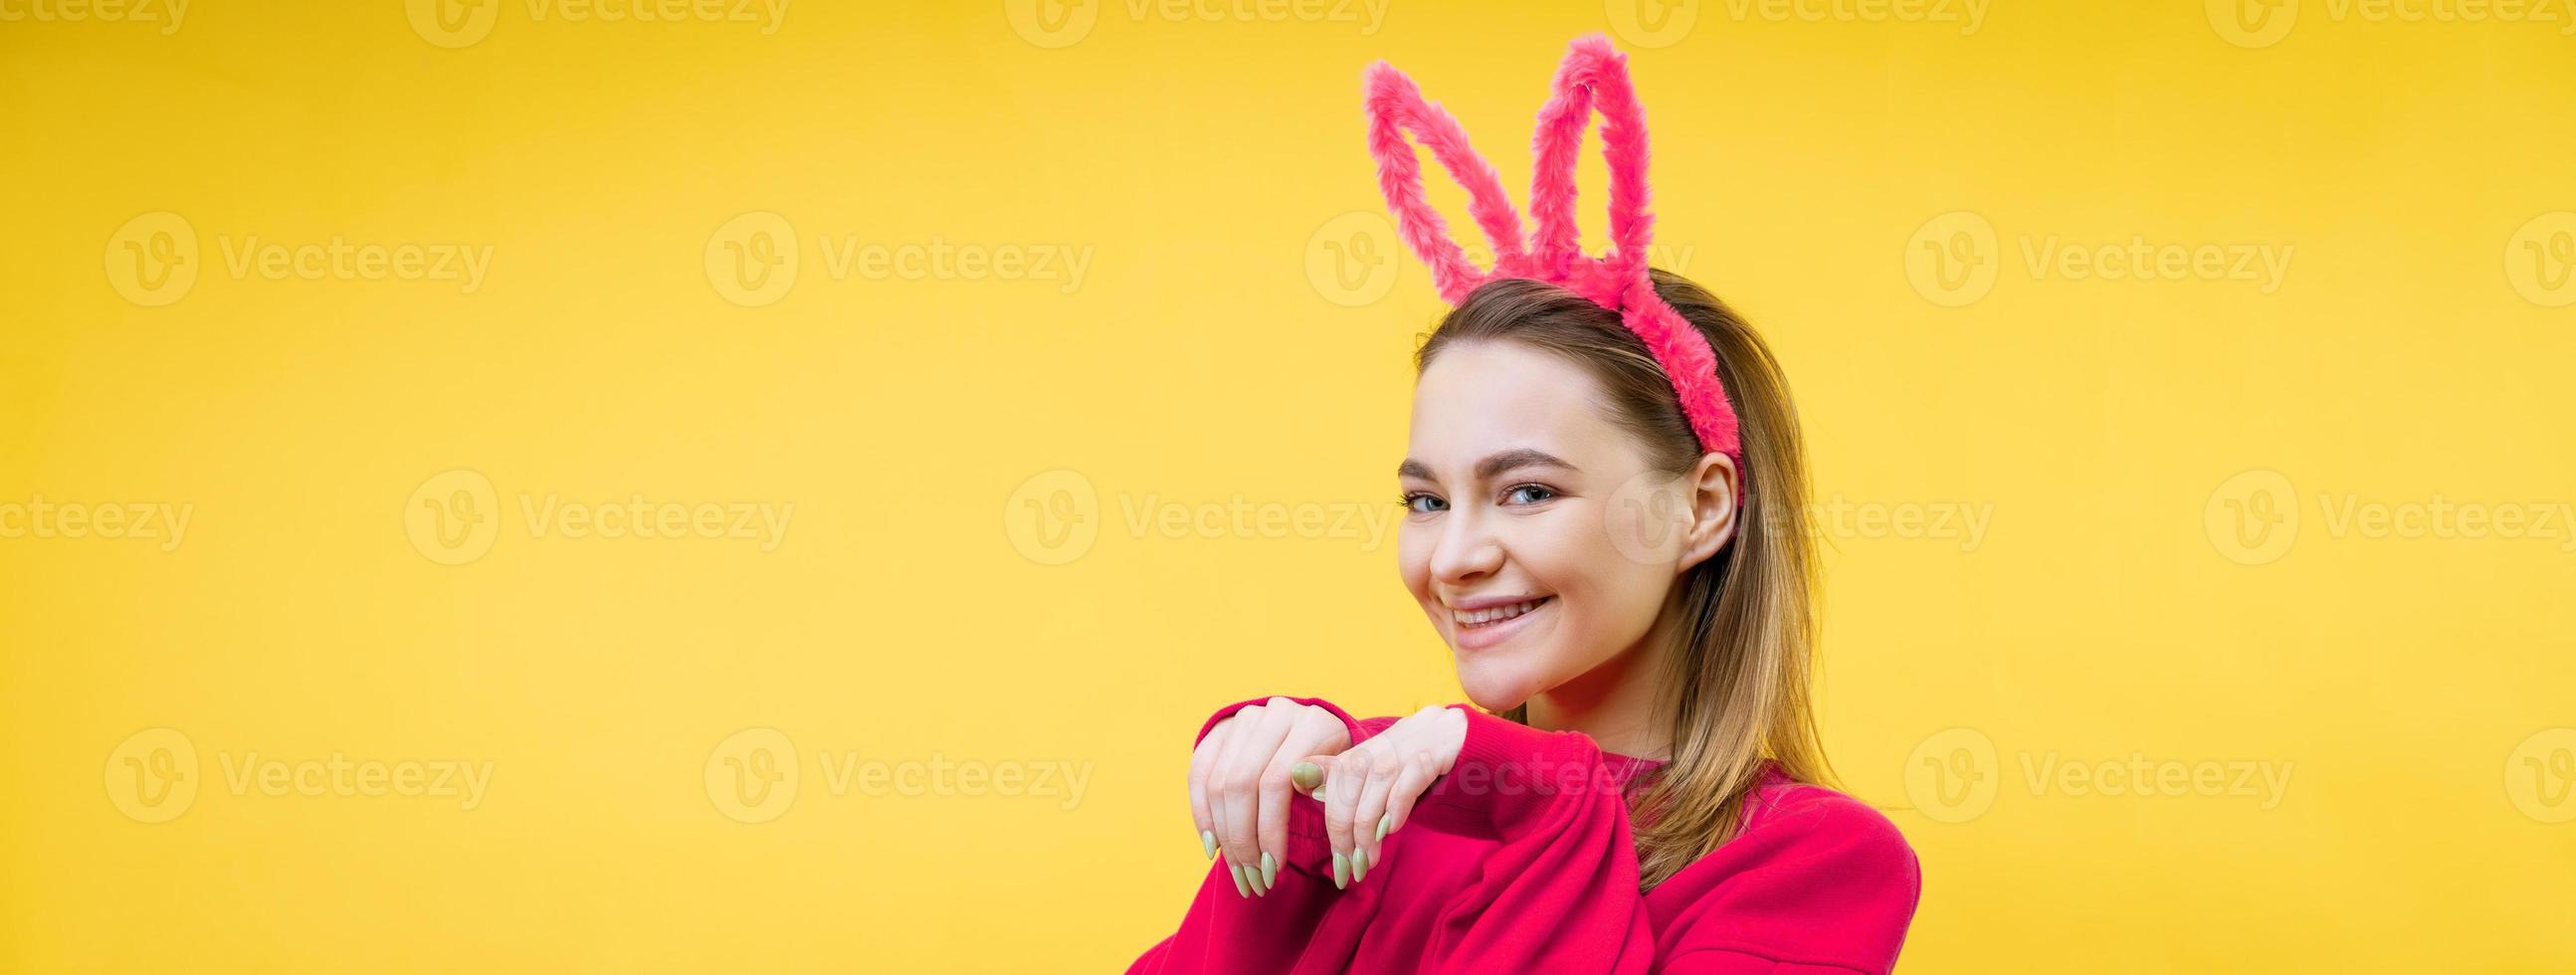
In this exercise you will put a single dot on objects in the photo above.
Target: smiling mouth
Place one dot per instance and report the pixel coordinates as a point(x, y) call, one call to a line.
point(1482, 618)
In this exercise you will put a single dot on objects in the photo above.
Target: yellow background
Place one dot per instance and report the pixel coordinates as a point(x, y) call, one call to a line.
point(2408, 683)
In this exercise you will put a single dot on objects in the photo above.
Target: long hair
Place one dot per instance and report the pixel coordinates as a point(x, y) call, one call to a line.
point(1738, 680)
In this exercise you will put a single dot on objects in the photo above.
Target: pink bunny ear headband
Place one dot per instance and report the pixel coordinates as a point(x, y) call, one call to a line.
point(1594, 75)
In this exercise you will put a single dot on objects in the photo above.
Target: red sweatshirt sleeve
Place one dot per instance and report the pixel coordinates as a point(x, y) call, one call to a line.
point(1535, 826)
point(1817, 882)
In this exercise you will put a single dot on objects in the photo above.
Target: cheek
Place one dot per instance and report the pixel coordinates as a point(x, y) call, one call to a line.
point(1610, 591)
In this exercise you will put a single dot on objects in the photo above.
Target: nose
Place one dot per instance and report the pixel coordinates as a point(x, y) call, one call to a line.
point(1467, 549)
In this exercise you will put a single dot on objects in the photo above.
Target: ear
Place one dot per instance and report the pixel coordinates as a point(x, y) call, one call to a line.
point(1714, 486)
point(1594, 77)
point(1395, 107)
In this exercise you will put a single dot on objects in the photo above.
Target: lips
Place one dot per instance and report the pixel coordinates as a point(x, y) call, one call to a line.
point(1491, 615)
point(1492, 624)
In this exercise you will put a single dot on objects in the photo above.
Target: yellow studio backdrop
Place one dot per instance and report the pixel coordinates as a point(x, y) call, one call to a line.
point(540, 485)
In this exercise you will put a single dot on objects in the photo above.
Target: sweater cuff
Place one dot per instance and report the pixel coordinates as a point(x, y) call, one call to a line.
point(1517, 773)
point(1357, 733)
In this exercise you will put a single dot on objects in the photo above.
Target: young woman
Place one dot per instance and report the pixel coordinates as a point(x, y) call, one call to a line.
point(1606, 523)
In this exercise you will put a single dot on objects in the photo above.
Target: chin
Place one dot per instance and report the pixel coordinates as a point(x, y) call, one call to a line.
point(1496, 685)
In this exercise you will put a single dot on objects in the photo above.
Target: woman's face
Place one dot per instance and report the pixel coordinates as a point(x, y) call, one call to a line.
point(1536, 537)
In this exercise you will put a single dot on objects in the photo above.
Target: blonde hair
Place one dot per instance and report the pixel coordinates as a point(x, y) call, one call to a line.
point(1737, 686)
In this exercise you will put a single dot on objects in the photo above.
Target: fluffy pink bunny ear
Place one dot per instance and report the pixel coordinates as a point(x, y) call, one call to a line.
point(1395, 107)
point(1594, 76)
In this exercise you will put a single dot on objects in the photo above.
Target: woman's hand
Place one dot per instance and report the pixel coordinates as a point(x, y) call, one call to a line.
point(1239, 783)
point(1368, 790)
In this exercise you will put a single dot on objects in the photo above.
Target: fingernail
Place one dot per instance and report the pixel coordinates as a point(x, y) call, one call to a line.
point(1341, 871)
point(1241, 889)
point(1269, 871)
point(1252, 875)
point(1307, 775)
point(1207, 841)
point(1359, 865)
point(1383, 822)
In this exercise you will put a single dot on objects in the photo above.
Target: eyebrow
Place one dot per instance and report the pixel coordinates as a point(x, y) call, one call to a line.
point(1488, 468)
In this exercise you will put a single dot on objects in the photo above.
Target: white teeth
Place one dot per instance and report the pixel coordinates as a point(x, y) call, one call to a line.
point(1495, 614)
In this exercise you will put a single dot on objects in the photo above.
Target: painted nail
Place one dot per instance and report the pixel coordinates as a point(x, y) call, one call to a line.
point(1341, 871)
point(1359, 865)
point(1252, 875)
point(1241, 889)
point(1269, 871)
point(1307, 775)
point(1383, 822)
point(1207, 841)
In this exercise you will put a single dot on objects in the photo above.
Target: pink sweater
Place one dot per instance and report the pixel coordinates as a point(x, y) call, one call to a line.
point(1502, 870)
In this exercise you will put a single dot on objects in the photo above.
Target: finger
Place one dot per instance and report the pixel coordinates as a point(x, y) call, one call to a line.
point(1341, 796)
point(1247, 759)
point(1383, 767)
point(1409, 785)
point(1203, 761)
point(1313, 729)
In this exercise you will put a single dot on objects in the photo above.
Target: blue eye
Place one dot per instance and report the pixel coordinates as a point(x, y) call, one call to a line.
point(1541, 489)
point(1412, 496)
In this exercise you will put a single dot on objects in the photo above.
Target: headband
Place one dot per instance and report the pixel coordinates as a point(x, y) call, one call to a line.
point(1594, 76)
